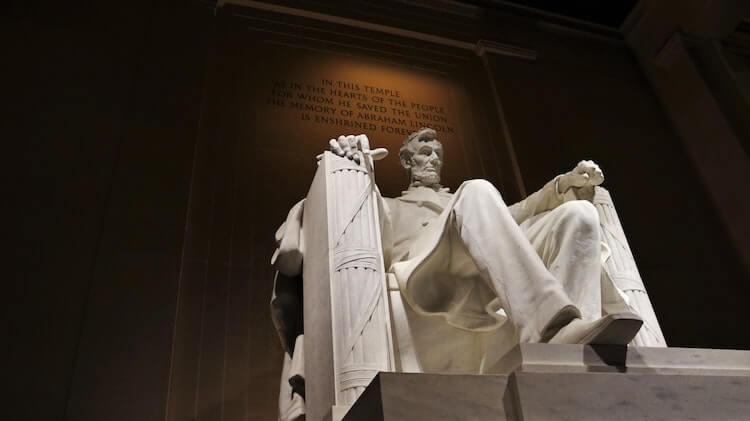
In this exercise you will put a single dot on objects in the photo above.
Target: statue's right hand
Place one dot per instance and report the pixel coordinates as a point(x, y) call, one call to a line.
point(347, 146)
point(350, 146)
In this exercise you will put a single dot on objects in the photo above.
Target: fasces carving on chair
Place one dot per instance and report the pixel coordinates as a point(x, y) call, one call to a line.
point(358, 302)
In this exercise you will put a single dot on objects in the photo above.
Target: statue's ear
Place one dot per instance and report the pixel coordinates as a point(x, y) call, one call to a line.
point(405, 158)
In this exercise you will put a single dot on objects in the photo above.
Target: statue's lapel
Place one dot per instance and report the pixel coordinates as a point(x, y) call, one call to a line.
point(424, 196)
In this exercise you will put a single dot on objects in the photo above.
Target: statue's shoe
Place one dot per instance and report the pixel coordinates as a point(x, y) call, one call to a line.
point(612, 329)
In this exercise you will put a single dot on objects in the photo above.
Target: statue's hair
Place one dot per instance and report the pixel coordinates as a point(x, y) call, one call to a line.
point(405, 153)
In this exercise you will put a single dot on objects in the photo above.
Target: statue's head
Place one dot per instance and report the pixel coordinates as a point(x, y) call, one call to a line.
point(422, 155)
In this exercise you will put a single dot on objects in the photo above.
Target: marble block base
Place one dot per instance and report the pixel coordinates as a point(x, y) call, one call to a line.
point(419, 396)
point(601, 358)
point(627, 397)
point(553, 382)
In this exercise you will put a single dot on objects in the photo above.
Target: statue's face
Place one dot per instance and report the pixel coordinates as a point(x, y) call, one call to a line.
point(426, 161)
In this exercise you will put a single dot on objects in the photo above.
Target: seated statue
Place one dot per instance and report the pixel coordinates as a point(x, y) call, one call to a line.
point(476, 263)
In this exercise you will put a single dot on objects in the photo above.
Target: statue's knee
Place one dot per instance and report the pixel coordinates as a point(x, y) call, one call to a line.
point(480, 189)
point(581, 215)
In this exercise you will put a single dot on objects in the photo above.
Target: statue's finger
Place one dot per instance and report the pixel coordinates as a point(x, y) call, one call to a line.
point(590, 168)
point(342, 142)
point(353, 148)
point(597, 178)
point(579, 179)
point(335, 148)
point(585, 166)
point(364, 142)
point(581, 171)
point(352, 140)
point(378, 153)
point(346, 146)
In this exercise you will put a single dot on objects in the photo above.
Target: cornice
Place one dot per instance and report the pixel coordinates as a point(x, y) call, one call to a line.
point(480, 47)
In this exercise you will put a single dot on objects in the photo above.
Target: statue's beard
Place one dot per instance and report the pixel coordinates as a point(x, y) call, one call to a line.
point(425, 178)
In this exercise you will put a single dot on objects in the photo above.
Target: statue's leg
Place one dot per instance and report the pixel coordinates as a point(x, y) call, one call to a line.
point(568, 241)
point(533, 298)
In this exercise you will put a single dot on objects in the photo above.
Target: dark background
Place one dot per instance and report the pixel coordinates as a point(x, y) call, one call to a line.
point(143, 203)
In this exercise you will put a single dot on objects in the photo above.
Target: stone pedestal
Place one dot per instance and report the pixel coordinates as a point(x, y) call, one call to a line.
point(554, 382)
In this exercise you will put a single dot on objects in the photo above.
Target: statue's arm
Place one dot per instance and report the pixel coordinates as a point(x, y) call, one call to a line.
point(579, 183)
point(546, 198)
point(287, 258)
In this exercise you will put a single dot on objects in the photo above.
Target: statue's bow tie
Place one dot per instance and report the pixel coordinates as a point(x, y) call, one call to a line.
point(427, 197)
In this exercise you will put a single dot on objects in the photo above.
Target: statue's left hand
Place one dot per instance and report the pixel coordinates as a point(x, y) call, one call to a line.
point(584, 177)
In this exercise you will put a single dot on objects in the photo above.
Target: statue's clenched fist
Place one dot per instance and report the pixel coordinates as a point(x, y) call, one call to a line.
point(352, 147)
point(583, 178)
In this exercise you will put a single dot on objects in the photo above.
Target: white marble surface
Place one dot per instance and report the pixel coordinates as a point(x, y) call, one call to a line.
point(579, 358)
point(627, 397)
point(573, 382)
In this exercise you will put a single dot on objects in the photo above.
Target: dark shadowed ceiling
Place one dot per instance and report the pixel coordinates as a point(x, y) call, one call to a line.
point(609, 13)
